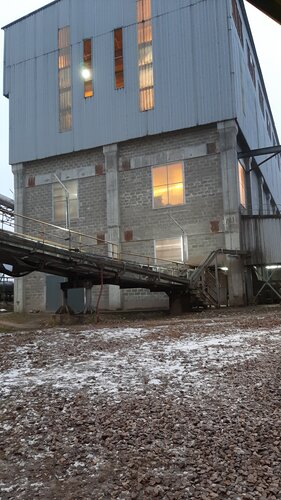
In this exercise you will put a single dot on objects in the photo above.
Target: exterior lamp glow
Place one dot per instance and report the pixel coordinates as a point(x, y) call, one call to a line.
point(86, 74)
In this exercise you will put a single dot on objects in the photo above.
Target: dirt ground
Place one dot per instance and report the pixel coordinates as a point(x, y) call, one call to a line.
point(141, 407)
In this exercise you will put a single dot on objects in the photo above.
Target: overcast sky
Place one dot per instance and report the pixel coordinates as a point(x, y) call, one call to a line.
point(267, 36)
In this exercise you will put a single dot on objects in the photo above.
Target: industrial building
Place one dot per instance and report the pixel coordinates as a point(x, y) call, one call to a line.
point(134, 122)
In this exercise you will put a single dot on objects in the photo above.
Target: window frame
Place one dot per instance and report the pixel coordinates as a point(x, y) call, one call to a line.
point(159, 260)
point(117, 58)
point(242, 179)
point(88, 65)
point(183, 184)
point(71, 217)
point(64, 67)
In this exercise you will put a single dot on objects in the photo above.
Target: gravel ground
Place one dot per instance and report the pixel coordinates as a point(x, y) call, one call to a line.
point(170, 408)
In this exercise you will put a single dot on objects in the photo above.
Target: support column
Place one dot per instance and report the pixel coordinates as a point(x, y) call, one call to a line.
point(113, 215)
point(19, 196)
point(231, 203)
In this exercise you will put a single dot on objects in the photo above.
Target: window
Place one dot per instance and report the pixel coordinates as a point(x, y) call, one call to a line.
point(87, 71)
point(251, 65)
point(60, 201)
point(64, 75)
point(168, 185)
point(242, 184)
point(170, 249)
point(261, 99)
point(118, 58)
point(268, 125)
point(237, 21)
point(145, 56)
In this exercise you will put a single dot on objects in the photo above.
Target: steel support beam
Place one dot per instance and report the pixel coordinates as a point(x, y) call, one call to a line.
point(275, 150)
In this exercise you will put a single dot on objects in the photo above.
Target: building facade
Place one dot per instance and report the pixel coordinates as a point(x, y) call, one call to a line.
point(129, 115)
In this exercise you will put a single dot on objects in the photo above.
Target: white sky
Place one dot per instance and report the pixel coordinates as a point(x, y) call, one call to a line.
point(267, 36)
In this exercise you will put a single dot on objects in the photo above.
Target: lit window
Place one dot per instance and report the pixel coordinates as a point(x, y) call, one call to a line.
point(64, 76)
point(251, 65)
point(170, 249)
point(237, 21)
point(118, 58)
point(87, 70)
point(242, 184)
point(145, 56)
point(62, 201)
point(168, 185)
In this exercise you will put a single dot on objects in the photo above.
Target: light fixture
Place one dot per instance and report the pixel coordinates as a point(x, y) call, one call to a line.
point(86, 74)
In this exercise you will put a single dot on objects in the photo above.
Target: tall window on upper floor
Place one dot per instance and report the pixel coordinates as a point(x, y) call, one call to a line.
point(118, 59)
point(145, 56)
point(168, 185)
point(64, 73)
point(237, 21)
point(261, 99)
point(242, 184)
point(87, 70)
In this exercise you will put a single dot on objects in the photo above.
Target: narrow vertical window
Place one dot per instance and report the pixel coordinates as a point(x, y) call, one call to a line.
point(237, 21)
point(118, 58)
point(251, 65)
point(261, 99)
point(87, 71)
point(145, 56)
point(242, 184)
point(64, 74)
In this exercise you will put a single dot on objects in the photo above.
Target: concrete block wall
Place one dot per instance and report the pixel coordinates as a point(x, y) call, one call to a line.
point(201, 216)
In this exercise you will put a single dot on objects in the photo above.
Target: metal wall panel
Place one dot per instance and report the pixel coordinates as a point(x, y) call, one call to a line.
point(261, 237)
point(192, 74)
point(249, 114)
point(195, 73)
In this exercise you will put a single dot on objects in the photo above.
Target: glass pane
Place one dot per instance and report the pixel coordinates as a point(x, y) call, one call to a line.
point(159, 176)
point(242, 186)
point(59, 210)
point(146, 76)
point(175, 173)
point(145, 54)
point(64, 78)
point(146, 99)
point(160, 196)
point(144, 32)
point(63, 37)
point(169, 249)
point(87, 51)
point(143, 10)
point(176, 194)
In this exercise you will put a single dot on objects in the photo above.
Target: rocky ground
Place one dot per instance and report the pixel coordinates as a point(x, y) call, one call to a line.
point(165, 408)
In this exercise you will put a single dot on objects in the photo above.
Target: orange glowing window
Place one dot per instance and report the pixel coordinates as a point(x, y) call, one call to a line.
point(168, 185)
point(87, 70)
point(118, 58)
point(145, 55)
point(64, 79)
point(242, 184)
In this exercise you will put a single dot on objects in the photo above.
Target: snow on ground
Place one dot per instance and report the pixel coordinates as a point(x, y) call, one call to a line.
point(114, 367)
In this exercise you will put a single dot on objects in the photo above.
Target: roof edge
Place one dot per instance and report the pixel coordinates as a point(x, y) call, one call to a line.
point(30, 14)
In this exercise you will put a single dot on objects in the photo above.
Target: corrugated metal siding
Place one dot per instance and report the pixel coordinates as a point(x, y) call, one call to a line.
point(251, 120)
point(261, 238)
point(191, 65)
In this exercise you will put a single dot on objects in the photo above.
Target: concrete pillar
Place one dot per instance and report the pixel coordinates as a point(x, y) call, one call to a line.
point(18, 172)
point(113, 215)
point(231, 204)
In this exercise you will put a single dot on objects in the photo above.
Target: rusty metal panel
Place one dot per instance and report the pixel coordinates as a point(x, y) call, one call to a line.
point(261, 237)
